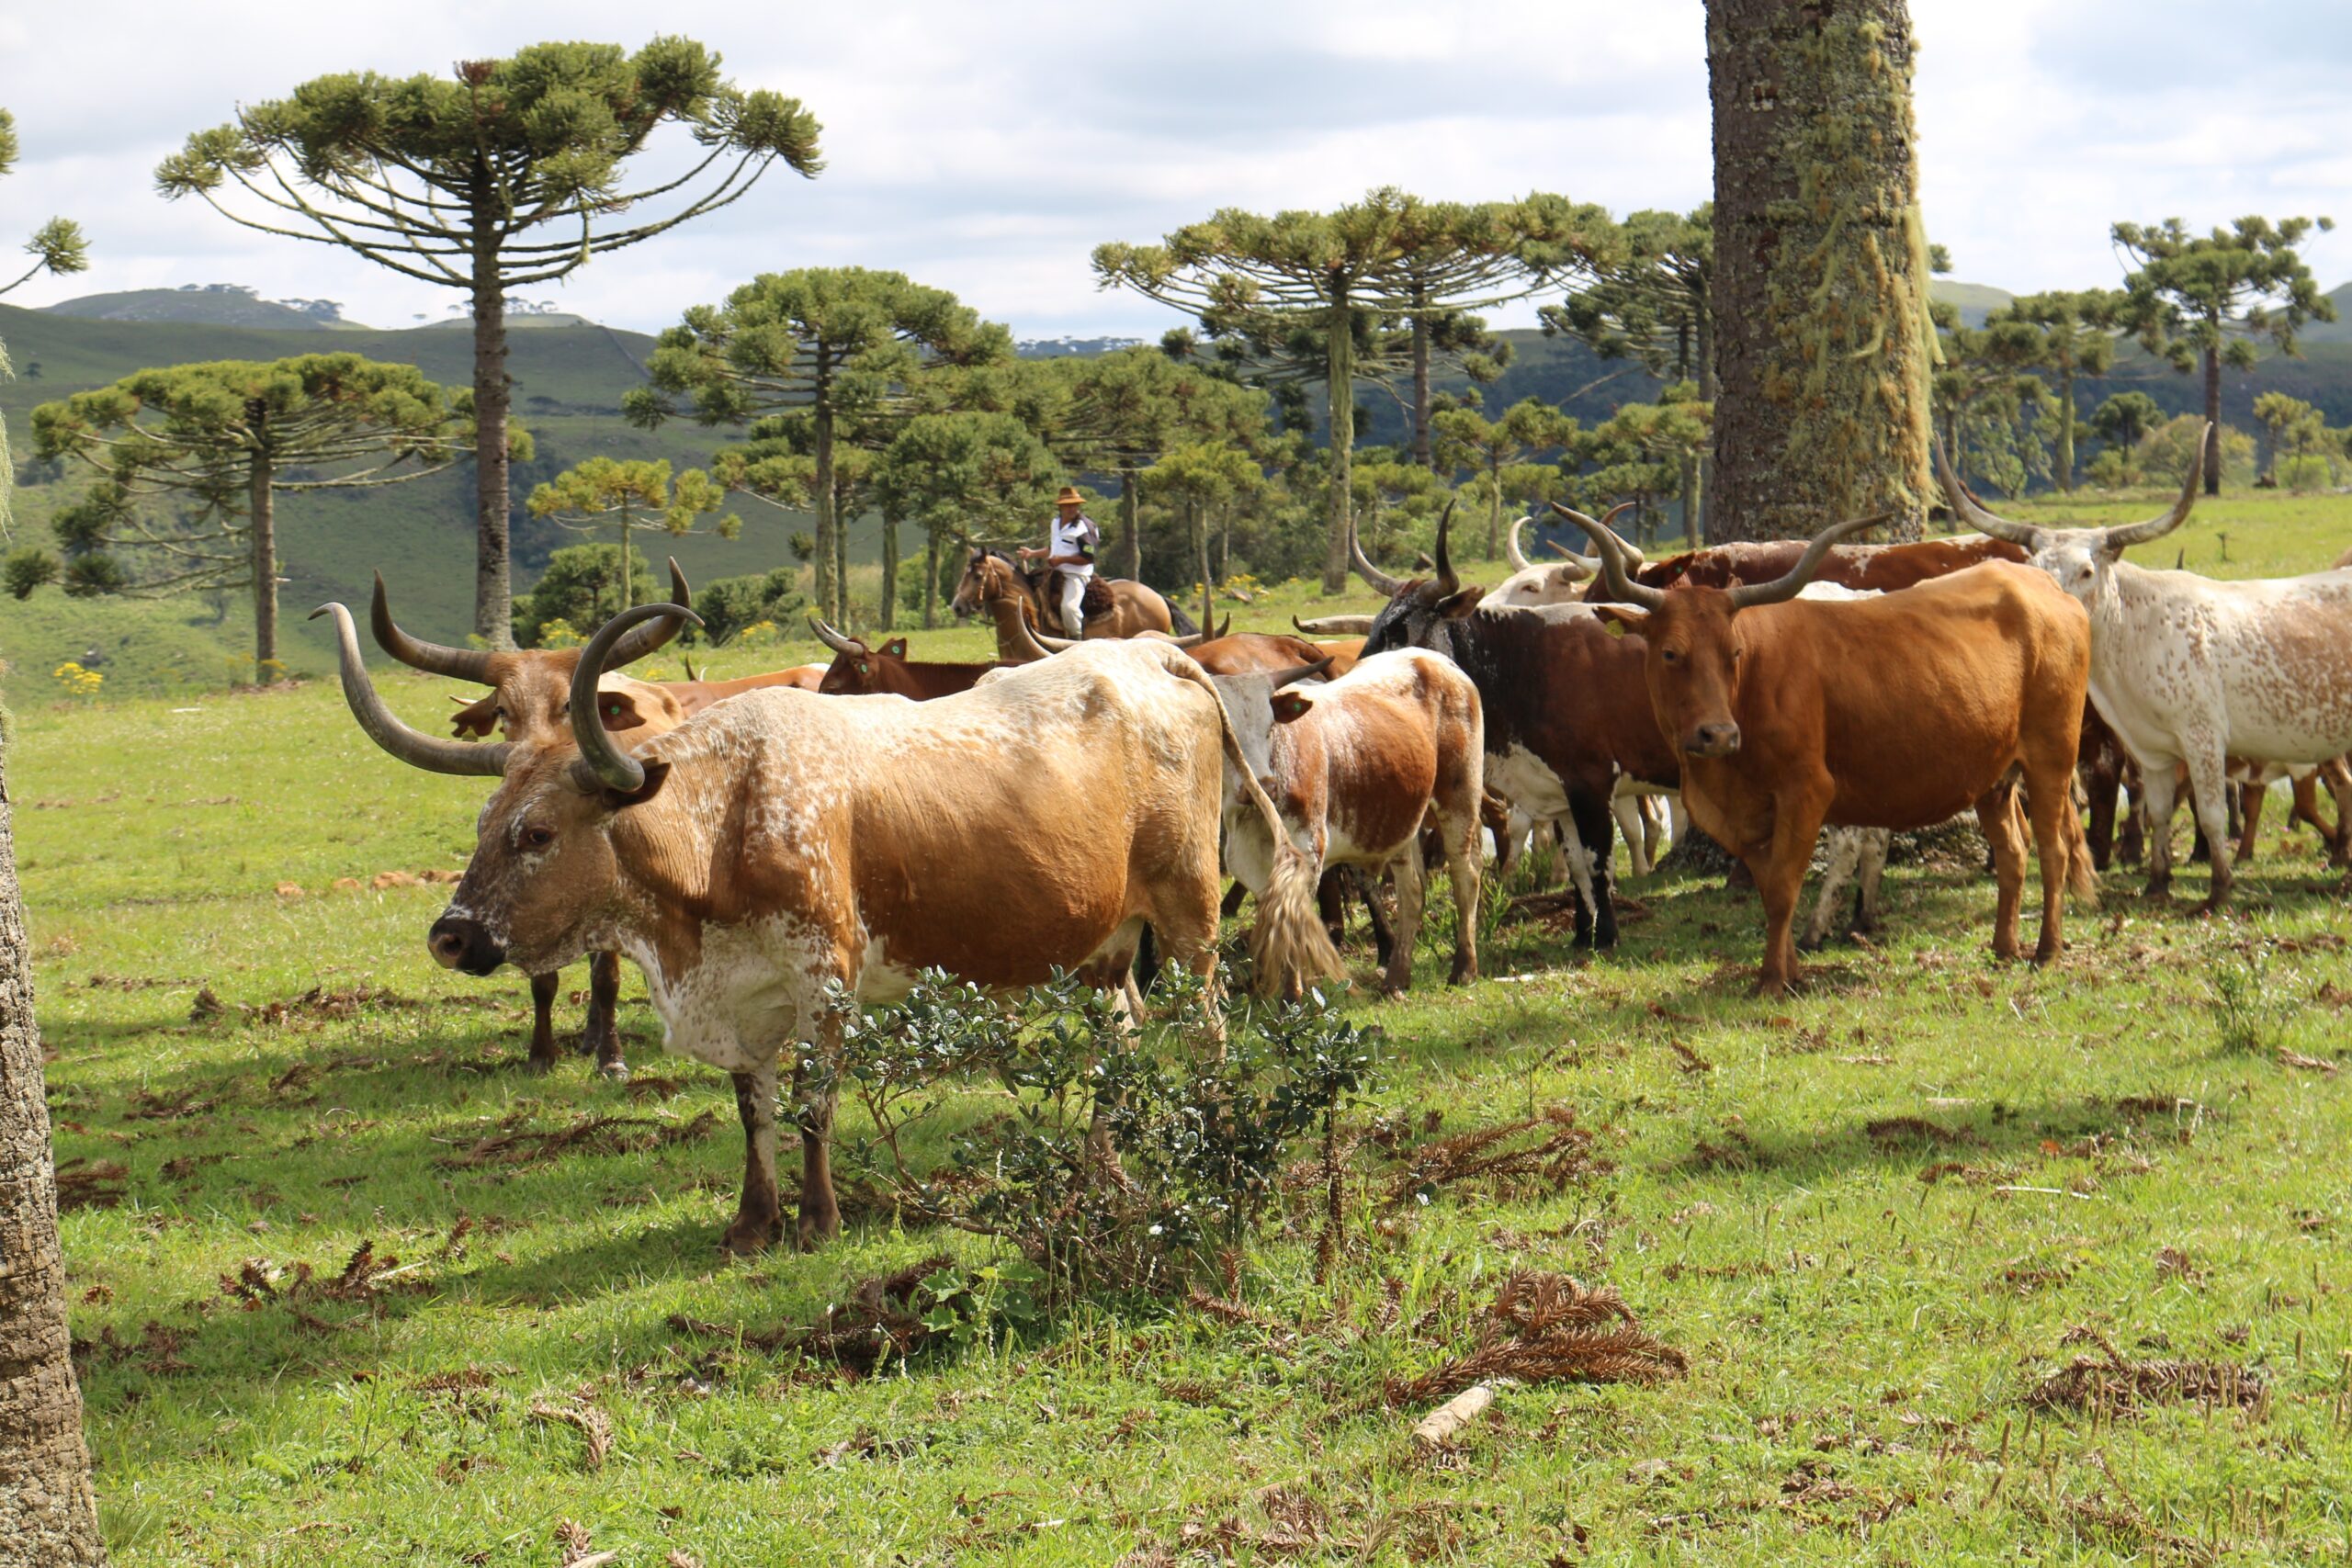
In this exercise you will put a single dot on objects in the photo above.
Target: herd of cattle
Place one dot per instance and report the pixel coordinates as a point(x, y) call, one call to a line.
point(751, 845)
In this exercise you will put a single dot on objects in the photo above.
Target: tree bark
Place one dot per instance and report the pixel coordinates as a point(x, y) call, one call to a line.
point(1131, 523)
point(841, 558)
point(627, 588)
point(2067, 429)
point(1339, 372)
point(262, 522)
point(931, 578)
point(494, 394)
point(2212, 422)
point(826, 585)
point(890, 572)
point(1819, 290)
point(1694, 518)
point(47, 1515)
point(1423, 452)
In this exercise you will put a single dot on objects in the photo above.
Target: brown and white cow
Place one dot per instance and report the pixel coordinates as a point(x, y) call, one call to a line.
point(1895, 712)
point(1353, 767)
point(784, 843)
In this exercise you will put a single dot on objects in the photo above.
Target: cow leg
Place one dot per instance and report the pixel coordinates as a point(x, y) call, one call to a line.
point(2306, 810)
point(1412, 884)
point(1579, 869)
point(812, 1107)
point(2158, 792)
point(543, 989)
point(1232, 905)
point(2051, 808)
point(1875, 842)
point(759, 1212)
point(1462, 863)
point(1779, 878)
point(2101, 784)
point(2209, 787)
point(2250, 798)
point(2339, 783)
point(601, 1036)
point(1628, 813)
point(1331, 903)
point(1653, 827)
point(1597, 831)
point(1996, 815)
point(1845, 856)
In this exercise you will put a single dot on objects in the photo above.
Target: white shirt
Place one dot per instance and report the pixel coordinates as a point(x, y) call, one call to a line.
point(1077, 536)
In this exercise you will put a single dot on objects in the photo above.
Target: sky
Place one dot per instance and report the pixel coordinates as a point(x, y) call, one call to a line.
point(986, 149)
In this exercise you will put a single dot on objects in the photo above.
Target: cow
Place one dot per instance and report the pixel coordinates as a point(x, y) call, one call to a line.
point(1115, 607)
point(860, 670)
point(1531, 587)
point(1881, 568)
point(785, 843)
point(2190, 673)
point(1894, 712)
point(1352, 767)
point(1565, 717)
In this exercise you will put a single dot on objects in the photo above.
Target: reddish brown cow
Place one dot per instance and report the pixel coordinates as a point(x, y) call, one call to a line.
point(1880, 568)
point(1894, 712)
point(860, 670)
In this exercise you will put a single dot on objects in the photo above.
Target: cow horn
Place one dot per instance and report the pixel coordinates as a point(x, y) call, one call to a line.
point(433, 657)
point(1445, 579)
point(1788, 585)
point(835, 640)
point(1964, 508)
point(1389, 585)
point(1588, 565)
point(1206, 634)
point(1049, 643)
point(1335, 626)
point(1298, 672)
point(417, 750)
point(614, 768)
point(2123, 537)
point(1511, 552)
point(1621, 586)
point(644, 639)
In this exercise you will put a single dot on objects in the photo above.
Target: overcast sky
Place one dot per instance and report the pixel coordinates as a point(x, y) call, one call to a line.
point(986, 148)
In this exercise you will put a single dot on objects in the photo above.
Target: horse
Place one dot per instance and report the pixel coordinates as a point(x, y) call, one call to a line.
point(1133, 609)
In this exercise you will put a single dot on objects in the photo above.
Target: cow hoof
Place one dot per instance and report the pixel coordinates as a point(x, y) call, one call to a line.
point(616, 1071)
point(748, 1237)
point(538, 1066)
point(2046, 953)
point(814, 1233)
point(1464, 974)
point(2208, 908)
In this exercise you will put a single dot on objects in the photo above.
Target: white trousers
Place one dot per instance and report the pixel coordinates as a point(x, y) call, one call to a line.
point(1073, 596)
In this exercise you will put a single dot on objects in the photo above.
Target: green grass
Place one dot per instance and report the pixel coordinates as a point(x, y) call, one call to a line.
point(1861, 1339)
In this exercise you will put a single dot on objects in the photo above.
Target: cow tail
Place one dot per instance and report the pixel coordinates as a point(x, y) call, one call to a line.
point(2082, 877)
point(1289, 948)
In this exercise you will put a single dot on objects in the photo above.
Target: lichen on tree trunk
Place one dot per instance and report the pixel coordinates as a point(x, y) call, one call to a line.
point(47, 1514)
point(260, 505)
point(1822, 339)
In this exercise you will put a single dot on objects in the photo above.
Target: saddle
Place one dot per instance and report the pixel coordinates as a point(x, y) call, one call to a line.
point(1097, 600)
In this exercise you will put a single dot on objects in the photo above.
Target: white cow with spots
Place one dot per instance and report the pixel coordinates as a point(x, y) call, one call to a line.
point(2194, 673)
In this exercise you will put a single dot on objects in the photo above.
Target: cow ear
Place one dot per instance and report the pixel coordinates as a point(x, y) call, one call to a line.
point(477, 718)
point(1455, 606)
point(1291, 706)
point(1620, 619)
point(620, 711)
point(895, 648)
point(657, 773)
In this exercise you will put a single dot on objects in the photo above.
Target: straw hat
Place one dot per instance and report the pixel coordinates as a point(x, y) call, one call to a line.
point(1069, 497)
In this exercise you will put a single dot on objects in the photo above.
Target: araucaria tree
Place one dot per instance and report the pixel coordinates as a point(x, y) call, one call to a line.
point(960, 475)
point(623, 493)
point(2211, 299)
point(838, 341)
point(1823, 339)
point(56, 246)
point(47, 1515)
point(2076, 336)
point(217, 443)
point(510, 173)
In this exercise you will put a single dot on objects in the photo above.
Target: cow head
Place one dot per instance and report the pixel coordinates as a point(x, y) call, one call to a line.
point(1695, 643)
point(2078, 560)
point(1419, 613)
point(530, 689)
point(1532, 587)
point(543, 873)
point(858, 670)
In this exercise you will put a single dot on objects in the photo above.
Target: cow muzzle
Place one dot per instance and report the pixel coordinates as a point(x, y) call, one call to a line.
point(1711, 740)
point(459, 941)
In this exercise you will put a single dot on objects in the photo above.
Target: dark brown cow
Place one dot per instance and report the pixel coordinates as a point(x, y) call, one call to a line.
point(1895, 712)
point(859, 670)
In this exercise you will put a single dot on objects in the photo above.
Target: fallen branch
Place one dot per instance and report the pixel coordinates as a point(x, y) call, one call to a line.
point(1437, 1427)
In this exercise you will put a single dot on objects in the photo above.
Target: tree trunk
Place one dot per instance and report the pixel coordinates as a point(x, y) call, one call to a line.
point(2212, 422)
point(1197, 526)
point(825, 589)
point(1340, 374)
point(1494, 510)
point(1225, 542)
point(47, 1515)
point(260, 498)
point(627, 590)
point(1694, 515)
point(1422, 450)
point(2067, 429)
point(493, 585)
point(1819, 291)
point(841, 558)
point(1131, 523)
point(890, 572)
point(931, 578)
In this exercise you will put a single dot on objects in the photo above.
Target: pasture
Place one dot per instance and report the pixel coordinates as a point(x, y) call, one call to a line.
point(1873, 1218)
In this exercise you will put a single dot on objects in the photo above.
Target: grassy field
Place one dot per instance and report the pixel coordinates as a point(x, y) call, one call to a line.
point(1874, 1218)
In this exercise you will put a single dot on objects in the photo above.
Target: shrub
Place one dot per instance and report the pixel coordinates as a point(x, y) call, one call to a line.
point(732, 604)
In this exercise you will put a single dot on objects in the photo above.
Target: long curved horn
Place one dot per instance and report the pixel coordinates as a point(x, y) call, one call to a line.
point(433, 657)
point(1445, 578)
point(417, 750)
point(1298, 672)
point(644, 639)
point(1622, 585)
point(1206, 634)
point(1511, 552)
point(835, 640)
point(614, 768)
point(2126, 534)
point(1015, 627)
point(1964, 507)
point(1588, 565)
point(1335, 626)
point(1789, 584)
point(1391, 586)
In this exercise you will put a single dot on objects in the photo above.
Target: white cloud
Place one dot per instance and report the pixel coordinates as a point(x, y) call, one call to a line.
point(988, 149)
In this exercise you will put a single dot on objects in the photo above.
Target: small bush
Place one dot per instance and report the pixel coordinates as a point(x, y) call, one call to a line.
point(2247, 1010)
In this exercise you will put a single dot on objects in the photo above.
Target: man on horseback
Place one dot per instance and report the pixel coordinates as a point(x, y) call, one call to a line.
point(1070, 539)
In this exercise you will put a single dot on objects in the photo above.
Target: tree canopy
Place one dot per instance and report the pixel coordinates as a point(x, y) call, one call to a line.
point(623, 492)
